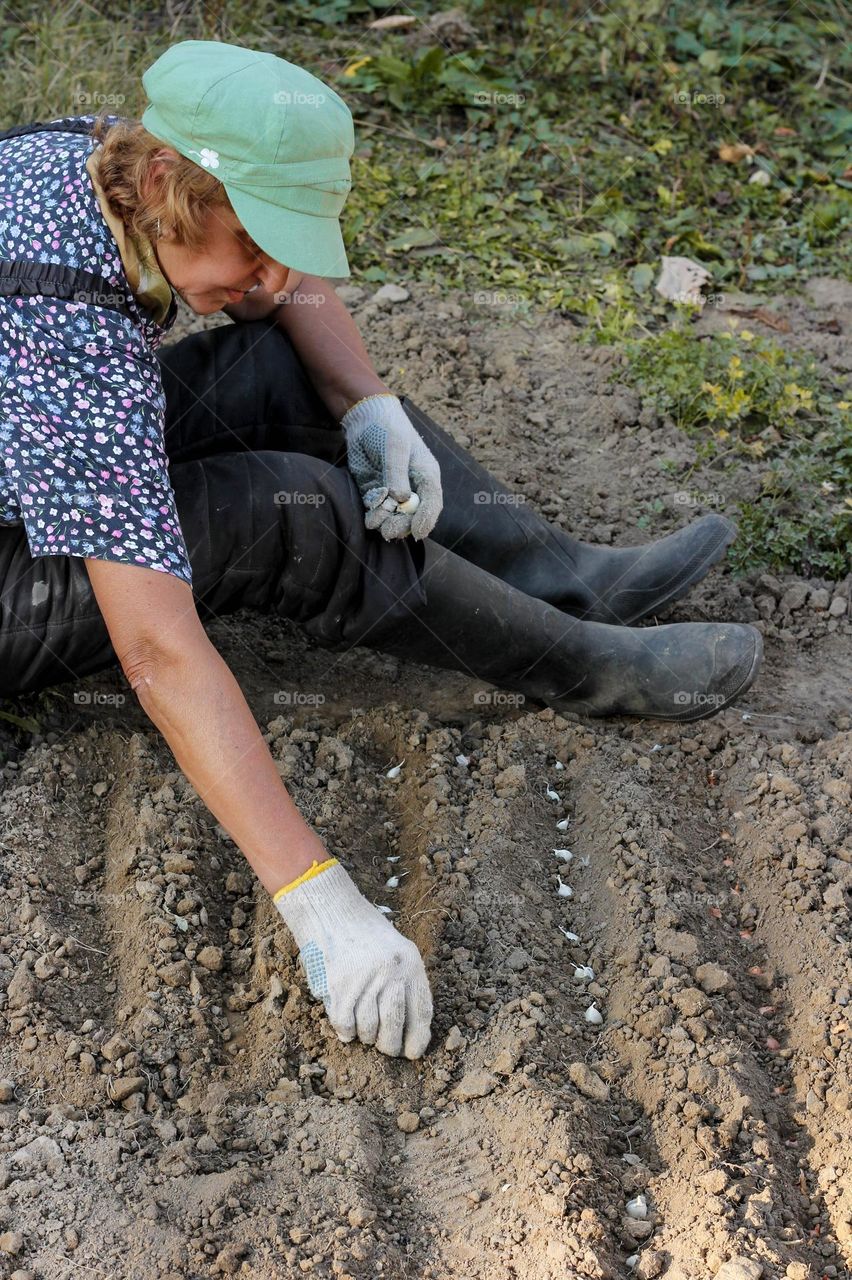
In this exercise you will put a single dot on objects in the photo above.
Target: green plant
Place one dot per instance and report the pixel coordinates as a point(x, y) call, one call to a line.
point(736, 394)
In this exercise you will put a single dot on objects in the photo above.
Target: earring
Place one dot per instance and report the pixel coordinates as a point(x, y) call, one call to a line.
point(158, 228)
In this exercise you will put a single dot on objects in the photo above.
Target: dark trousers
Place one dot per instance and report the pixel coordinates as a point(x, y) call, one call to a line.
point(271, 516)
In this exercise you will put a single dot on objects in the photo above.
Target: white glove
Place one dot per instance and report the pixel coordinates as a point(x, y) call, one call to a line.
point(371, 979)
point(390, 462)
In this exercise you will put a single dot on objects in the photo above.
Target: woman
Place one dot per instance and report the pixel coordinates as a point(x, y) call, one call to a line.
point(146, 491)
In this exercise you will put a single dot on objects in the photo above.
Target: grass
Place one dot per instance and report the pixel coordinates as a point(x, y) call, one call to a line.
point(544, 150)
point(739, 396)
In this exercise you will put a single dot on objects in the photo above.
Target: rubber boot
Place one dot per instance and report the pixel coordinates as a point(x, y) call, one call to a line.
point(477, 623)
point(244, 386)
point(487, 524)
point(278, 532)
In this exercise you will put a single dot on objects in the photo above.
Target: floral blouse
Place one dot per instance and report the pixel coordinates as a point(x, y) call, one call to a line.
point(81, 399)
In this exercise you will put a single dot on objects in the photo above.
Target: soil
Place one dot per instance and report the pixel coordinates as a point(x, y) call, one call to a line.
point(175, 1105)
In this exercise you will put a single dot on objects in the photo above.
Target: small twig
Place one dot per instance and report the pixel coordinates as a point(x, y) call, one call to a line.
point(78, 943)
point(396, 133)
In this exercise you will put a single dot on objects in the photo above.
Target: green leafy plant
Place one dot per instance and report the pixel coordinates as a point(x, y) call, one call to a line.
point(736, 394)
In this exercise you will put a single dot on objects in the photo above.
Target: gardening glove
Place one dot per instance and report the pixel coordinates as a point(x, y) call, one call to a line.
point(370, 978)
point(392, 465)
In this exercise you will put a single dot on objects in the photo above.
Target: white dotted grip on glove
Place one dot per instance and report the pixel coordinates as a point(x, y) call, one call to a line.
point(370, 977)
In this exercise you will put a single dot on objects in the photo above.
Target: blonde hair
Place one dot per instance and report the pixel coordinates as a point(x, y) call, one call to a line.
point(181, 197)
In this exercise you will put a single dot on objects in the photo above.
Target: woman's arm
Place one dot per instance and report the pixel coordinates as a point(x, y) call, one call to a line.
point(188, 691)
point(370, 977)
point(324, 335)
point(329, 345)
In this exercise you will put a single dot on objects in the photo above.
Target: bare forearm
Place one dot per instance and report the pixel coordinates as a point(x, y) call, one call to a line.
point(199, 708)
point(329, 345)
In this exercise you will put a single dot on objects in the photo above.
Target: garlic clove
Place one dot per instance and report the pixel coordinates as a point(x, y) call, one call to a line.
point(562, 825)
point(410, 505)
point(637, 1208)
point(572, 937)
point(583, 973)
point(564, 890)
point(386, 911)
point(564, 855)
point(392, 858)
point(394, 772)
point(551, 794)
point(559, 765)
point(593, 1015)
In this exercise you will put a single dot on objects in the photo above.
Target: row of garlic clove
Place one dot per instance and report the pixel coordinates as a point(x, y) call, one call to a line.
point(582, 972)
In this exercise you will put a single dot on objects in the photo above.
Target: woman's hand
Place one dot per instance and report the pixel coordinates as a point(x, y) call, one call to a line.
point(371, 978)
point(390, 462)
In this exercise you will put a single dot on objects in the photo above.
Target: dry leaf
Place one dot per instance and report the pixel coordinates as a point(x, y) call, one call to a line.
point(391, 22)
point(681, 280)
point(734, 152)
point(769, 318)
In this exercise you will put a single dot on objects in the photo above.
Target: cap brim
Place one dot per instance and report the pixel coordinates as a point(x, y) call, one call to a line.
point(302, 241)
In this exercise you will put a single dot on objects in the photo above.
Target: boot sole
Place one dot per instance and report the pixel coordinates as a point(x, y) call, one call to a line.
point(713, 557)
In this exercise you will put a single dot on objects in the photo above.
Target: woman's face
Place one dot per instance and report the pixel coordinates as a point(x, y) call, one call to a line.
point(226, 268)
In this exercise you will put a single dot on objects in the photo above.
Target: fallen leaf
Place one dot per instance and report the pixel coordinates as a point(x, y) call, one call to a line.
point(734, 152)
point(681, 280)
point(769, 318)
point(392, 21)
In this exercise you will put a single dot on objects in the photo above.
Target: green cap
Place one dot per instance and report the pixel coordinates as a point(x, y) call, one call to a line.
point(277, 138)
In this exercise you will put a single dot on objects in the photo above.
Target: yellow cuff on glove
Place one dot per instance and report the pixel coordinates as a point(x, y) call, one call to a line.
point(313, 870)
